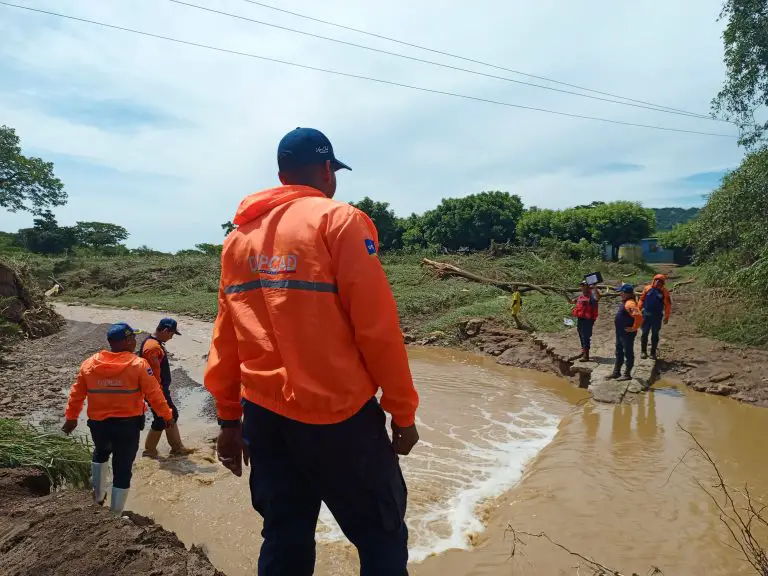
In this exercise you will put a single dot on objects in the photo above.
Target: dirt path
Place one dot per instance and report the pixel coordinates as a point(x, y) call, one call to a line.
point(67, 535)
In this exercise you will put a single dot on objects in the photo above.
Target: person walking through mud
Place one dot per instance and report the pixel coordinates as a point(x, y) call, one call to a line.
point(307, 332)
point(656, 307)
point(153, 351)
point(586, 313)
point(116, 383)
point(628, 320)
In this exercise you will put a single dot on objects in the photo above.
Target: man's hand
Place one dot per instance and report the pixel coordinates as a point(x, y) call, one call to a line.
point(666, 321)
point(69, 426)
point(170, 424)
point(628, 330)
point(404, 439)
point(231, 451)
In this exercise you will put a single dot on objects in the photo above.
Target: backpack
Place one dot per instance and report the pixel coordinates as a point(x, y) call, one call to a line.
point(653, 304)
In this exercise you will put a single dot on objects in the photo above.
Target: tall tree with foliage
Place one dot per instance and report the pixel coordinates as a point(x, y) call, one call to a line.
point(618, 223)
point(46, 236)
point(473, 221)
point(26, 183)
point(534, 225)
point(385, 220)
point(100, 235)
point(745, 89)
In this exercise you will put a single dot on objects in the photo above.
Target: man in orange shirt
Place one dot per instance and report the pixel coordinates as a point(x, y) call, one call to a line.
point(153, 351)
point(306, 334)
point(115, 383)
point(656, 306)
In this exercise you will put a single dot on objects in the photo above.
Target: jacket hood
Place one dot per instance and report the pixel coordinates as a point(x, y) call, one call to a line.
point(111, 363)
point(659, 279)
point(262, 202)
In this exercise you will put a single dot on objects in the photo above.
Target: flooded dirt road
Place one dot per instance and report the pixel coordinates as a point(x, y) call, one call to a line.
point(500, 446)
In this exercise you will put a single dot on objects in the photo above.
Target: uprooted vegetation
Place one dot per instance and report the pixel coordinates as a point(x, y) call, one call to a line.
point(23, 310)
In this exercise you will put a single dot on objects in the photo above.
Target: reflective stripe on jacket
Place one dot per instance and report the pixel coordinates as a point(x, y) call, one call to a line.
point(115, 385)
point(307, 325)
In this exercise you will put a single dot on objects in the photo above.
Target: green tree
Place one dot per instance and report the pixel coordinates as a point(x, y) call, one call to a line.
point(620, 223)
point(534, 225)
point(228, 227)
point(574, 224)
point(26, 183)
point(385, 220)
point(473, 221)
point(46, 236)
point(745, 89)
point(100, 235)
point(210, 249)
point(412, 234)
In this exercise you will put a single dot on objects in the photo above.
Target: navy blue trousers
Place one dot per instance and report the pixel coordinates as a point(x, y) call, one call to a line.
point(625, 351)
point(585, 327)
point(652, 326)
point(158, 424)
point(118, 438)
point(351, 466)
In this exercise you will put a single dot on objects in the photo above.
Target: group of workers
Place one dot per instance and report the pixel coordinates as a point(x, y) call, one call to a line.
point(116, 384)
point(307, 333)
point(649, 311)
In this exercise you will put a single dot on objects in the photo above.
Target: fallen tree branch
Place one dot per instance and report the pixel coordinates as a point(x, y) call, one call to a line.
point(597, 568)
point(677, 285)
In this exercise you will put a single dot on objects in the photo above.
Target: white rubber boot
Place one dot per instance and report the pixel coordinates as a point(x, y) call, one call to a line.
point(119, 496)
point(99, 480)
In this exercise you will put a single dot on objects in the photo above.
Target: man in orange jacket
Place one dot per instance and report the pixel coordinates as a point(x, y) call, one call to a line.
point(115, 383)
point(656, 306)
point(306, 334)
point(153, 351)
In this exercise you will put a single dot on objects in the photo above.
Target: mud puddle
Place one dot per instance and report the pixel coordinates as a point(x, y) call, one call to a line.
point(501, 446)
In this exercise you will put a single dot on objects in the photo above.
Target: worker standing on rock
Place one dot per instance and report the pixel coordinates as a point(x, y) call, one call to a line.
point(656, 307)
point(116, 383)
point(586, 312)
point(153, 351)
point(307, 332)
point(628, 320)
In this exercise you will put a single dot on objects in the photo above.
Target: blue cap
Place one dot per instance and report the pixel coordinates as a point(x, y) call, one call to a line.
point(626, 288)
point(120, 331)
point(304, 147)
point(169, 324)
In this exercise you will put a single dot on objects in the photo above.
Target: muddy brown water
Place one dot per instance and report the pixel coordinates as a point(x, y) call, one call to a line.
point(501, 447)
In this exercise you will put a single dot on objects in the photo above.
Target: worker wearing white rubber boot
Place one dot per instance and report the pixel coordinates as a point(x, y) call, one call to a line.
point(116, 383)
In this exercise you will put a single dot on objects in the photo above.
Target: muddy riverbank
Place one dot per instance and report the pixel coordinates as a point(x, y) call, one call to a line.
point(501, 446)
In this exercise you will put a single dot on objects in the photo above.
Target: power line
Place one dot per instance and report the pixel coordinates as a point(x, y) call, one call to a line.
point(356, 76)
point(473, 60)
point(439, 64)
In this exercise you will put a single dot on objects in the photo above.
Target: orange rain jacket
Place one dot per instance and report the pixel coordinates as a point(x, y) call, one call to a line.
point(631, 307)
point(658, 283)
point(307, 324)
point(115, 384)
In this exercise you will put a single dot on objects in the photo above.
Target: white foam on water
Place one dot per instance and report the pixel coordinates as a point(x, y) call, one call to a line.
point(464, 466)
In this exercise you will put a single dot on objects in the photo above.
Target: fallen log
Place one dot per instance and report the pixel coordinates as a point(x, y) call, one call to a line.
point(443, 269)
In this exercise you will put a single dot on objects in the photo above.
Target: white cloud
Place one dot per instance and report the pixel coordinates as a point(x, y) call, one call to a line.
point(406, 147)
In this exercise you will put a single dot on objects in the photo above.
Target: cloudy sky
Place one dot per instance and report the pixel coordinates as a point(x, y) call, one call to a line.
point(165, 139)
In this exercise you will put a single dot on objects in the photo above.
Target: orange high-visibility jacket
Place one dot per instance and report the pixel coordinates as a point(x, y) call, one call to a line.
point(307, 324)
point(153, 353)
point(634, 311)
point(657, 283)
point(115, 384)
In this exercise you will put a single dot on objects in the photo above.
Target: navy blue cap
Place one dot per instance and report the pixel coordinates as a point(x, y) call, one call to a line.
point(120, 331)
point(304, 147)
point(626, 288)
point(169, 324)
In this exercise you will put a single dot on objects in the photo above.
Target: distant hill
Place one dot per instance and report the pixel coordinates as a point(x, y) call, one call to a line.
point(668, 218)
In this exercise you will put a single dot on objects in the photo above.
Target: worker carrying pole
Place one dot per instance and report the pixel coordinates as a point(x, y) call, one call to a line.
point(116, 383)
point(307, 333)
point(153, 351)
point(656, 307)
